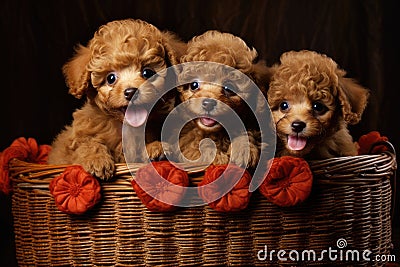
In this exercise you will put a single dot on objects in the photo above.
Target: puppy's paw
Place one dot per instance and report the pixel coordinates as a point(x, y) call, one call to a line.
point(157, 151)
point(244, 153)
point(221, 158)
point(160, 158)
point(102, 167)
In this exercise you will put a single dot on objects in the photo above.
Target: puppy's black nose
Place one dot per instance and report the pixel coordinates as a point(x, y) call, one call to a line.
point(208, 104)
point(129, 93)
point(298, 126)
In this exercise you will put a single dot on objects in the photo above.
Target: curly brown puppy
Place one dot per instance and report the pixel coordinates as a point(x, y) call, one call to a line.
point(312, 103)
point(209, 102)
point(110, 70)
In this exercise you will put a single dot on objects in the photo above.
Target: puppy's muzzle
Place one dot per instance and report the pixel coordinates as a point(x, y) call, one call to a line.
point(209, 104)
point(130, 93)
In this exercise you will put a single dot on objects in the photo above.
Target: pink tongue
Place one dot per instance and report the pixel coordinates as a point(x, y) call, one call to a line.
point(296, 142)
point(207, 121)
point(136, 117)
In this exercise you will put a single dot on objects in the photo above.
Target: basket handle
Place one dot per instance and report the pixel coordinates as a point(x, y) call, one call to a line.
point(385, 143)
point(394, 184)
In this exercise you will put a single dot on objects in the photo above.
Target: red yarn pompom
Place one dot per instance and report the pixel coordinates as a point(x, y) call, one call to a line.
point(160, 185)
point(288, 182)
point(5, 185)
point(366, 142)
point(75, 191)
point(23, 149)
point(238, 196)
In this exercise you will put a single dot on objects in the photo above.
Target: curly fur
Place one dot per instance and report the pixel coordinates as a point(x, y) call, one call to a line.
point(310, 97)
point(123, 48)
point(232, 51)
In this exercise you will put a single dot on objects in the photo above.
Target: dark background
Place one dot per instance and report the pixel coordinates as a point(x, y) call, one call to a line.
point(38, 37)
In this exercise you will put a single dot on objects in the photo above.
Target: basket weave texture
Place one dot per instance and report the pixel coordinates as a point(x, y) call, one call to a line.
point(351, 200)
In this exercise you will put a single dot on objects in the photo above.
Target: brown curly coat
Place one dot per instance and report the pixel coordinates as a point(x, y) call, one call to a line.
point(113, 61)
point(312, 103)
point(224, 48)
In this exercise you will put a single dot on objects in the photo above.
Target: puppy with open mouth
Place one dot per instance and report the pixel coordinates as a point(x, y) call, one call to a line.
point(212, 94)
point(312, 103)
point(112, 71)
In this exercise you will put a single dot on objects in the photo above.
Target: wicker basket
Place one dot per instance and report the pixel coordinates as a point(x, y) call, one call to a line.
point(350, 203)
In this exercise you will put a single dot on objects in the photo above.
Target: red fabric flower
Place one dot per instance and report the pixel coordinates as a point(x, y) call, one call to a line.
point(153, 185)
point(5, 186)
point(288, 182)
point(366, 142)
point(238, 195)
point(75, 191)
point(23, 149)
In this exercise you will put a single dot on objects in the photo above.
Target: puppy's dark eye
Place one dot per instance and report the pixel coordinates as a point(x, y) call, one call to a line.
point(319, 108)
point(111, 78)
point(148, 73)
point(194, 86)
point(284, 106)
point(230, 89)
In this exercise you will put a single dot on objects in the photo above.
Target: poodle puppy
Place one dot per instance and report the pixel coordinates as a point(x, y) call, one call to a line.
point(110, 70)
point(208, 103)
point(312, 103)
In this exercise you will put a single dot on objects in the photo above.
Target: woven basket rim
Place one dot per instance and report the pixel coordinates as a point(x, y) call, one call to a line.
point(332, 170)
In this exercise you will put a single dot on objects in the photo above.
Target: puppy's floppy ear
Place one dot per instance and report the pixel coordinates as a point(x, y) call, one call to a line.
point(174, 47)
point(353, 99)
point(261, 75)
point(75, 71)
